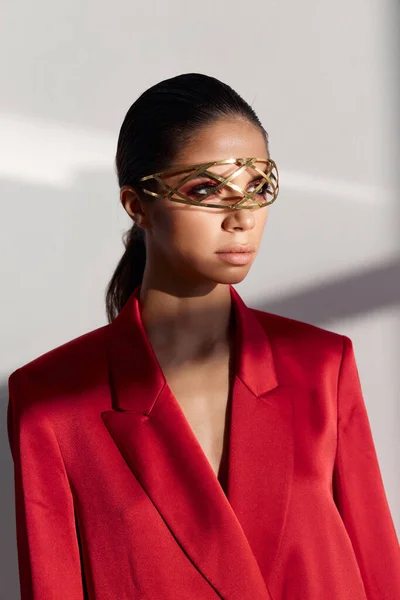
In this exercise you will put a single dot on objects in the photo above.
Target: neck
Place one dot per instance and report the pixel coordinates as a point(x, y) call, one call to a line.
point(187, 325)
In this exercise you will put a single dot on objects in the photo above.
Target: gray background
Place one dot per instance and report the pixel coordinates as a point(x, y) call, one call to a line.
point(324, 79)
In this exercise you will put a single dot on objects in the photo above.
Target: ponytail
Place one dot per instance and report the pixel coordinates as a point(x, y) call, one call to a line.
point(128, 273)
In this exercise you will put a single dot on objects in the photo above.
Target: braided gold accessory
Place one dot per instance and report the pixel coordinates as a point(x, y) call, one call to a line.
point(269, 177)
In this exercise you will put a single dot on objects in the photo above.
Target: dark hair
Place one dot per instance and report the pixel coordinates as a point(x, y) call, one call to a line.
point(155, 127)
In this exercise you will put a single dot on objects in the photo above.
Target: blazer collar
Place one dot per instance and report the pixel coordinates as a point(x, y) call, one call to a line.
point(232, 539)
point(138, 376)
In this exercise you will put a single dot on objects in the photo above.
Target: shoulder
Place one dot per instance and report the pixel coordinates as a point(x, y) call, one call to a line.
point(303, 347)
point(61, 370)
point(297, 331)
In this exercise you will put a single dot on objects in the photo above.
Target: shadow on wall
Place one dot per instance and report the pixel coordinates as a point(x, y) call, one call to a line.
point(353, 295)
point(358, 293)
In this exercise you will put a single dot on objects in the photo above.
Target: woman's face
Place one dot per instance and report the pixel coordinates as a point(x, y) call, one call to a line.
point(183, 241)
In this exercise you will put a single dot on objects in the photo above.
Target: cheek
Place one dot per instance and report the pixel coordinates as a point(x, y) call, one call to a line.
point(163, 222)
point(184, 229)
point(261, 216)
point(195, 230)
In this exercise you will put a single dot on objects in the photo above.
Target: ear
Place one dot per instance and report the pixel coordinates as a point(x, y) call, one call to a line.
point(134, 206)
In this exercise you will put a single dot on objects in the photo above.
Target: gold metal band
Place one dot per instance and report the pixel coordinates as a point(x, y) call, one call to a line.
point(271, 177)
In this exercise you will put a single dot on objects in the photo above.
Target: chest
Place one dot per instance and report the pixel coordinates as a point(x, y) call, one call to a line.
point(202, 391)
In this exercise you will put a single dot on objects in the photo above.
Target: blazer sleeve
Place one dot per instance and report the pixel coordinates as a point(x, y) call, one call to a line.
point(359, 491)
point(48, 549)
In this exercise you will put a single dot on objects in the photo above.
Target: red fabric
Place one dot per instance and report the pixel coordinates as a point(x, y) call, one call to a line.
point(115, 498)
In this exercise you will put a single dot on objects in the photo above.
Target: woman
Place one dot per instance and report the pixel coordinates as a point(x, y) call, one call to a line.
point(193, 447)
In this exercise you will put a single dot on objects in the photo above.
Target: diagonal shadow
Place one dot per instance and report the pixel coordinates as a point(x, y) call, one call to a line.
point(374, 288)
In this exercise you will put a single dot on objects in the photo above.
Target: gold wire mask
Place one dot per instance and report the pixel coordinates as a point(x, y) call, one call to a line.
point(270, 178)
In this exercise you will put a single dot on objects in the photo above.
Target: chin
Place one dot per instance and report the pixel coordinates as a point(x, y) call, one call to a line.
point(232, 275)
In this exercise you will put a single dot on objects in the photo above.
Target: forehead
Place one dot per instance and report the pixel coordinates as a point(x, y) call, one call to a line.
point(223, 139)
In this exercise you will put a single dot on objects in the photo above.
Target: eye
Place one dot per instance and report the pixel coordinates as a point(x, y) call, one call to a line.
point(263, 190)
point(206, 188)
point(201, 190)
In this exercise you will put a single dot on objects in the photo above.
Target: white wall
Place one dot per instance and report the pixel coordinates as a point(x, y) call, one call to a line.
point(324, 80)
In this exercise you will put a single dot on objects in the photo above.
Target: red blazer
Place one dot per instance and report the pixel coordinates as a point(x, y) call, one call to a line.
point(116, 500)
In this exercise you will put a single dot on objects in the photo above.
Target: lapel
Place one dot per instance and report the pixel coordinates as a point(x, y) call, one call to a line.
point(232, 539)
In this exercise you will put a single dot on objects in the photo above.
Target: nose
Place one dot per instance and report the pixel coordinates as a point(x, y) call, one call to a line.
point(239, 220)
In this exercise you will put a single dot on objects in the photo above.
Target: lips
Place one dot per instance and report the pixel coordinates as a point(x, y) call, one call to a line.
point(237, 248)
